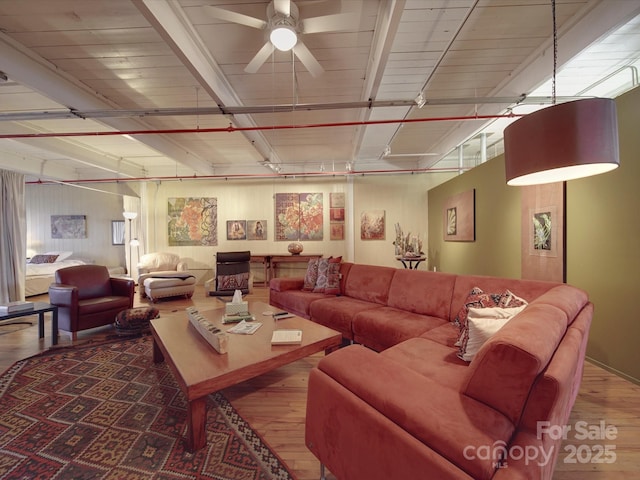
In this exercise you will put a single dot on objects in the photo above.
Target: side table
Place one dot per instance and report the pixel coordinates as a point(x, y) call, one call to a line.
point(411, 262)
point(39, 308)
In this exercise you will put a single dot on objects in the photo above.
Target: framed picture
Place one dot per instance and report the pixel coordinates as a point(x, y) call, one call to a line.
point(543, 232)
point(192, 221)
point(298, 216)
point(336, 231)
point(372, 225)
point(256, 229)
point(68, 226)
point(459, 217)
point(236, 229)
point(117, 232)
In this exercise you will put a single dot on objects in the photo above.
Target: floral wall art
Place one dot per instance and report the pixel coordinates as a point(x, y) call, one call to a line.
point(372, 225)
point(543, 232)
point(459, 217)
point(299, 216)
point(192, 221)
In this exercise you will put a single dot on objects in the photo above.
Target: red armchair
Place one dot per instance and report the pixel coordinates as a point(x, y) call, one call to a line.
point(87, 297)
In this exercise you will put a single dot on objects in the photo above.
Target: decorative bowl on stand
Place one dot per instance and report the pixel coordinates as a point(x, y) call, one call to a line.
point(295, 248)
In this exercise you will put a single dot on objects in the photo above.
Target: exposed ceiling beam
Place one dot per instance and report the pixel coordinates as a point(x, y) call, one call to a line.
point(25, 67)
point(172, 24)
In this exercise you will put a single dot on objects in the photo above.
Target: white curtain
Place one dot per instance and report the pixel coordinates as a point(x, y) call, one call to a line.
point(13, 236)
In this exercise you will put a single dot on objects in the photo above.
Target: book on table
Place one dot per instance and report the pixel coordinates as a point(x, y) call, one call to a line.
point(17, 306)
point(286, 337)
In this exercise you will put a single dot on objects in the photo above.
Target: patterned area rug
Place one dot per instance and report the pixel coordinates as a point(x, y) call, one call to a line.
point(109, 412)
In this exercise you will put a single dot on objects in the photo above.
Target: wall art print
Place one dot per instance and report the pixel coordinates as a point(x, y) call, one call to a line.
point(299, 216)
point(336, 215)
point(459, 217)
point(372, 225)
point(236, 229)
point(336, 231)
point(543, 232)
point(68, 226)
point(256, 229)
point(192, 221)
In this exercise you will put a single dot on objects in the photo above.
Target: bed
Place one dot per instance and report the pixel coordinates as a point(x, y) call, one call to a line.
point(41, 268)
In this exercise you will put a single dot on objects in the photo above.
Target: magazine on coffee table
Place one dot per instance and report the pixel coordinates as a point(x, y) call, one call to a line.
point(245, 328)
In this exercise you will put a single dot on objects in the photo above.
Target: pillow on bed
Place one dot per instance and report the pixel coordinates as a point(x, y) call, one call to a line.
point(61, 255)
point(46, 258)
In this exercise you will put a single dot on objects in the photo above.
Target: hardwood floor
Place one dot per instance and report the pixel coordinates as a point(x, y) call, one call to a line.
point(274, 404)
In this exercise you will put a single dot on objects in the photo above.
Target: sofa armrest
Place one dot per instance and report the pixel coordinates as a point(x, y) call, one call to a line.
point(122, 287)
point(182, 266)
point(283, 284)
point(63, 295)
point(441, 418)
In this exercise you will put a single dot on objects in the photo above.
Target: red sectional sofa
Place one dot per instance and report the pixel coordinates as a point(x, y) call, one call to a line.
point(399, 403)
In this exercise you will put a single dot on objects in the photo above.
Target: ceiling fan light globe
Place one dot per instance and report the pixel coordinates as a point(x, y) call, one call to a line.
point(283, 37)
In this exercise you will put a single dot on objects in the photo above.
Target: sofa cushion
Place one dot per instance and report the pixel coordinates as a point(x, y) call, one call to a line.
point(297, 302)
point(338, 312)
point(328, 280)
point(383, 327)
point(503, 371)
point(446, 334)
point(442, 365)
point(369, 283)
point(424, 292)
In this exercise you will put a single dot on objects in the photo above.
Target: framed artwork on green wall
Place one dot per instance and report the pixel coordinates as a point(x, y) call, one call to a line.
point(459, 217)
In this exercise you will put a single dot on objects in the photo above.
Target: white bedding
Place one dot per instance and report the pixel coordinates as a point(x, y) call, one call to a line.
point(40, 275)
point(49, 268)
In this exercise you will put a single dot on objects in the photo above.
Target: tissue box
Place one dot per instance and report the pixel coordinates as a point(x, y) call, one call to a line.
point(231, 308)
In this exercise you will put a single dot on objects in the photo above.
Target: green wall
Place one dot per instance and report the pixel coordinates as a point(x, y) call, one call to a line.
point(603, 237)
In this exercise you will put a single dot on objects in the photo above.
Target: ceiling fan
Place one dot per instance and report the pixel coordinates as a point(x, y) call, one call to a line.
point(285, 27)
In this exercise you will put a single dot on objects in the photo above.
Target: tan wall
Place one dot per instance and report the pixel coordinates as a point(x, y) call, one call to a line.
point(603, 232)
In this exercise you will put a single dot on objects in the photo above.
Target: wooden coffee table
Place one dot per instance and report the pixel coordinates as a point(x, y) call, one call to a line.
point(200, 370)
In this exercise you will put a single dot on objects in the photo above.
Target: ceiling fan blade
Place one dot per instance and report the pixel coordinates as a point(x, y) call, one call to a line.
point(260, 57)
point(330, 23)
point(282, 6)
point(235, 17)
point(307, 59)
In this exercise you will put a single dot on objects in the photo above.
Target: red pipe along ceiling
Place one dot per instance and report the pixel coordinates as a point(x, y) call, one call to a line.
point(231, 128)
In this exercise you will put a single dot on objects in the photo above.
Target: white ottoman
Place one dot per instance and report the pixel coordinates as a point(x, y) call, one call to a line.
point(169, 286)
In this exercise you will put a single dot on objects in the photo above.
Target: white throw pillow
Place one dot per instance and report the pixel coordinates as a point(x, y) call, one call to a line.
point(482, 324)
point(61, 255)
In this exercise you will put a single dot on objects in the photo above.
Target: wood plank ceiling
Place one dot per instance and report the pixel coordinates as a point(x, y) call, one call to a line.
point(170, 67)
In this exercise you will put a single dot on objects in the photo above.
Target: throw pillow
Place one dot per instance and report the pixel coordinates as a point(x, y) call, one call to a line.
point(238, 281)
point(60, 255)
point(323, 270)
point(311, 276)
point(328, 276)
point(43, 258)
point(479, 299)
point(482, 323)
point(333, 277)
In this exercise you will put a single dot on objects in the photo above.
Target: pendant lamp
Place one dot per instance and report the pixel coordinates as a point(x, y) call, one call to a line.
point(562, 142)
